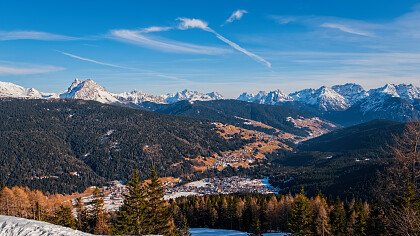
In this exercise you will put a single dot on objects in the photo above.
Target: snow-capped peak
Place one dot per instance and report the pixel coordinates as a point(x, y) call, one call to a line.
point(88, 90)
point(137, 97)
point(15, 91)
point(353, 93)
point(262, 97)
point(387, 89)
point(408, 91)
point(192, 96)
point(324, 97)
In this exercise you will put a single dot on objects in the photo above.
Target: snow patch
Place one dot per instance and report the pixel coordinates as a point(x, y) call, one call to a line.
point(14, 226)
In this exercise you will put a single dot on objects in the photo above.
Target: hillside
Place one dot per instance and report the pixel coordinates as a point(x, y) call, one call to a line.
point(67, 145)
point(371, 135)
point(342, 163)
point(266, 118)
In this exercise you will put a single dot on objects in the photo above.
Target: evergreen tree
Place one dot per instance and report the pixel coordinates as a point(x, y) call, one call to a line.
point(159, 220)
point(131, 216)
point(338, 219)
point(361, 219)
point(82, 220)
point(256, 228)
point(64, 217)
point(184, 231)
point(301, 215)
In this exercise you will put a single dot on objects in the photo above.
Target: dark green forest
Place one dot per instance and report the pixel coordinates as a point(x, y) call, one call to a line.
point(43, 143)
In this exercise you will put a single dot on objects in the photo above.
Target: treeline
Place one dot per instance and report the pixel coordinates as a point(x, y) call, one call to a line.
point(31, 204)
point(144, 211)
point(270, 213)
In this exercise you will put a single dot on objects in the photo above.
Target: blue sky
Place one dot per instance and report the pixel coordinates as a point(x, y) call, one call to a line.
point(225, 46)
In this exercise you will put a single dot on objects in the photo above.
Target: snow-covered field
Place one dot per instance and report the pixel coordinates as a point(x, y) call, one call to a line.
point(13, 226)
point(224, 232)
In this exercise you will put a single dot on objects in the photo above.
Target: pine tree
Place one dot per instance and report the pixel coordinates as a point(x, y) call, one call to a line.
point(301, 215)
point(159, 220)
point(130, 219)
point(338, 219)
point(82, 221)
point(256, 228)
point(64, 217)
point(184, 231)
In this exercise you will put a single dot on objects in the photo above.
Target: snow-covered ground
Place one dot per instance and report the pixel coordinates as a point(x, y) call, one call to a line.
point(224, 232)
point(13, 226)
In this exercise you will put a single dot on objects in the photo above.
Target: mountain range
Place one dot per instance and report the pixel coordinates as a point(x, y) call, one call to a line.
point(345, 104)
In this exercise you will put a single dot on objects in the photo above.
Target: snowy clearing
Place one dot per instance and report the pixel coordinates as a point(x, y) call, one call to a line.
point(14, 226)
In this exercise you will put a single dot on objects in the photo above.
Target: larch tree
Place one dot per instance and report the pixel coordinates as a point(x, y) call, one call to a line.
point(321, 220)
point(99, 214)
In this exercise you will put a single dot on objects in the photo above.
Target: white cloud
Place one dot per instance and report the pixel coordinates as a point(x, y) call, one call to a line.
point(33, 35)
point(137, 38)
point(347, 29)
point(9, 69)
point(155, 29)
point(236, 15)
point(186, 23)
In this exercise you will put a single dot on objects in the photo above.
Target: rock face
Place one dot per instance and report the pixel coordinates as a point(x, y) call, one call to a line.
point(16, 91)
point(88, 90)
point(353, 93)
point(13, 226)
point(324, 98)
point(271, 98)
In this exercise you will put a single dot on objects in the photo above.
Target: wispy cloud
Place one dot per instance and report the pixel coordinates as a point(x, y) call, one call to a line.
point(26, 69)
point(187, 23)
point(94, 61)
point(348, 26)
point(152, 29)
point(236, 15)
point(162, 44)
point(146, 72)
point(33, 35)
point(347, 29)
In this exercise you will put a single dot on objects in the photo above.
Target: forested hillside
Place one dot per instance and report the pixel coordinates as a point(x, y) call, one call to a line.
point(239, 113)
point(344, 162)
point(67, 145)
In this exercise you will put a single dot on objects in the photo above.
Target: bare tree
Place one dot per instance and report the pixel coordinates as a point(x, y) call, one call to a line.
point(399, 192)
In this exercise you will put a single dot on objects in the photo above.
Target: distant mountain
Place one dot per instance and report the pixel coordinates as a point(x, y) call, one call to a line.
point(192, 96)
point(88, 90)
point(324, 98)
point(345, 104)
point(353, 93)
point(391, 102)
point(140, 97)
point(16, 91)
point(350, 104)
point(271, 98)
